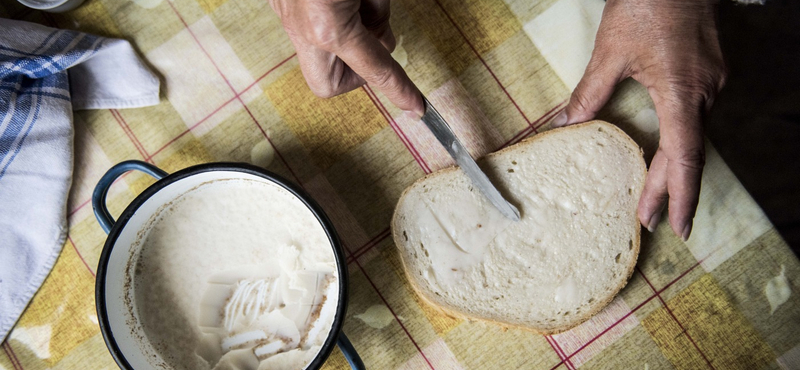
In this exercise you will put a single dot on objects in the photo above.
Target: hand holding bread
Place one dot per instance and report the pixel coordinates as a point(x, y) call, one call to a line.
point(670, 47)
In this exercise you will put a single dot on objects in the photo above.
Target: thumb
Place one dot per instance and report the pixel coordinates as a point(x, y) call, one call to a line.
point(369, 59)
point(592, 92)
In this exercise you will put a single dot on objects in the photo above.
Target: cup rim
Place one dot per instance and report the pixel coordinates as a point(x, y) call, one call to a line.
point(43, 5)
point(308, 201)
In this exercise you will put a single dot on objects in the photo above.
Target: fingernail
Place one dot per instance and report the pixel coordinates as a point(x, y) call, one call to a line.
point(560, 120)
point(413, 115)
point(419, 112)
point(686, 231)
point(654, 220)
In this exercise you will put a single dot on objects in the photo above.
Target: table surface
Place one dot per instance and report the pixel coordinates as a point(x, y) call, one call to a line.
point(232, 90)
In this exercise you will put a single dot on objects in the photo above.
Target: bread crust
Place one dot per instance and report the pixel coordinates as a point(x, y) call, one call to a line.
point(583, 317)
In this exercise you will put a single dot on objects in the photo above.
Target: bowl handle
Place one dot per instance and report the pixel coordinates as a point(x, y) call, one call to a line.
point(101, 190)
point(350, 353)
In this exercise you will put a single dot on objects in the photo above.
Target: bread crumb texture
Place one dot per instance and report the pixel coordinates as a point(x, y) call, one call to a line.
point(575, 247)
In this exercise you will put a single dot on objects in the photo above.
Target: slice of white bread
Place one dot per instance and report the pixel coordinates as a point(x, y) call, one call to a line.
point(575, 247)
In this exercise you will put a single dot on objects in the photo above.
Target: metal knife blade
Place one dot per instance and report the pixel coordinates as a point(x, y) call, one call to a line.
point(442, 131)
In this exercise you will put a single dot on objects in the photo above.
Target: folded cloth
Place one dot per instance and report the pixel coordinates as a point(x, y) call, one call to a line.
point(37, 96)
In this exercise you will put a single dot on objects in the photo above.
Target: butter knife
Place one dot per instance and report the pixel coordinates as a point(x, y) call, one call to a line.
point(442, 131)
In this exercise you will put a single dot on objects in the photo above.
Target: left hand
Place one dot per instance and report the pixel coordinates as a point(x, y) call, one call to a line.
point(670, 47)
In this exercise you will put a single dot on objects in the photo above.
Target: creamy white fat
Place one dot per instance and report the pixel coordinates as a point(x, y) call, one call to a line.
point(236, 274)
point(552, 255)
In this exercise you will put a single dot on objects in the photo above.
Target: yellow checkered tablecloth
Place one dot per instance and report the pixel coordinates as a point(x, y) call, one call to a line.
point(499, 71)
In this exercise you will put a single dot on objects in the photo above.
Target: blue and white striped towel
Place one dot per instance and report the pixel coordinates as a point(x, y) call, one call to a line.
point(37, 96)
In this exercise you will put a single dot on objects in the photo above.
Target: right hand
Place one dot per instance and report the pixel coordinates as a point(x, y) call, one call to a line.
point(343, 44)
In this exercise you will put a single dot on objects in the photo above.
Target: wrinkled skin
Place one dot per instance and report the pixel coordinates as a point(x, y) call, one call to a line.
point(341, 44)
point(669, 46)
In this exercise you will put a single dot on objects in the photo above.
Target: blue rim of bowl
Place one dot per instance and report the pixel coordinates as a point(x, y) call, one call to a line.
point(130, 210)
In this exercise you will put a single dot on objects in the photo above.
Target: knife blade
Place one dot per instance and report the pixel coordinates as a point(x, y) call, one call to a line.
point(442, 131)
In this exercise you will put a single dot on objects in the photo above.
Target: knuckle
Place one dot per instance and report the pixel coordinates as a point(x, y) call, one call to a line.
point(323, 93)
point(694, 158)
point(325, 31)
point(322, 90)
point(697, 82)
point(321, 34)
point(384, 78)
point(329, 81)
point(580, 101)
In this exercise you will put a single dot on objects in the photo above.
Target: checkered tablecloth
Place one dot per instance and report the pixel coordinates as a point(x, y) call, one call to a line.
point(499, 71)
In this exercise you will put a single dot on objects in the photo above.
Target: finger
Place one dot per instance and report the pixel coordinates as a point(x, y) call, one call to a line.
point(375, 16)
point(386, 37)
point(326, 74)
point(654, 196)
point(370, 60)
point(593, 91)
point(680, 119)
point(683, 180)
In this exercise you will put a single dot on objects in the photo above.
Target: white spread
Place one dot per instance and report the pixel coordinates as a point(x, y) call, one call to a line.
point(399, 54)
point(262, 154)
point(236, 273)
point(553, 255)
point(777, 290)
point(458, 237)
point(377, 316)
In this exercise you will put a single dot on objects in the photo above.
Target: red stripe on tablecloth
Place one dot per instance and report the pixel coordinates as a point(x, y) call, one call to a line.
point(386, 112)
point(393, 313)
point(555, 110)
point(12, 356)
point(356, 256)
point(127, 129)
point(632, 311)
point(193, 126)
point(375, 239)
point(186, 25)
point(534, 127)
point(683, 330)
point(79, 207)
point(268, 72)
point(80, 255)
point(223, 105)
point(606, 330)
point(567, 361)
point(561, 355)
point(236, 96)
point(483, 61)
point(275, 148)
point(90, 199)
point(399, 132)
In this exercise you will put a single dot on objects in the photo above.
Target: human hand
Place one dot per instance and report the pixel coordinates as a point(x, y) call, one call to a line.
point(342, 44)
point(670, 47)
